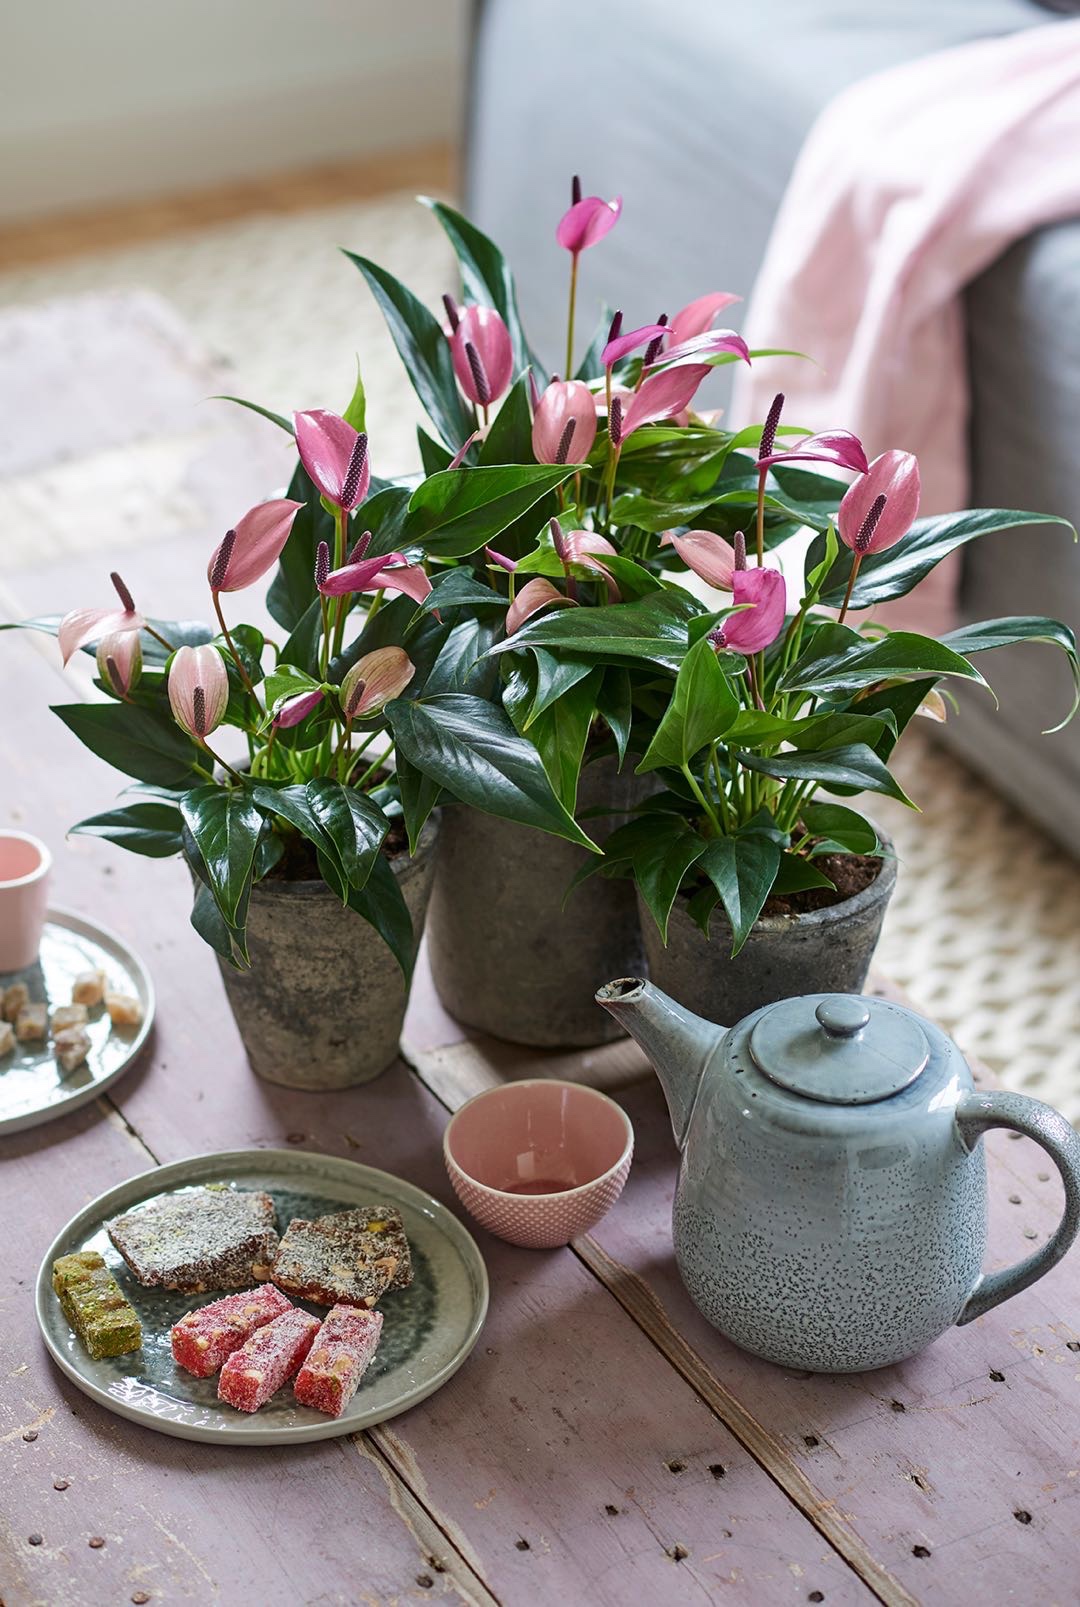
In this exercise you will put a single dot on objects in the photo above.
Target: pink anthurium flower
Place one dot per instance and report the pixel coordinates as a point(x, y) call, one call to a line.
point(500, 559)
point(85, 625)
point(753, 628)
point(697, 316)
point(374, 680)
point(895, 476)
point(564, 427)
point(533, 596)
point(706, 553)
point(335, 457)
point(661, 396)
point(711, 344)
point(198, 689)
point(119, 661)
point(483, 355)
point(254, 546)
point(581, 547)
point(587, 221)
point(838, 447)
point(623, 345)
point(390, 572)
point(295, 709)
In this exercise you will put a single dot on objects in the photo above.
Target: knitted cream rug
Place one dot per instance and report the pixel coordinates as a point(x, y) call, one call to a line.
point(983, 931)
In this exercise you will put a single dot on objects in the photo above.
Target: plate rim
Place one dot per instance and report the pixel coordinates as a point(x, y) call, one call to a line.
point(247, 1434)
point(74, 920)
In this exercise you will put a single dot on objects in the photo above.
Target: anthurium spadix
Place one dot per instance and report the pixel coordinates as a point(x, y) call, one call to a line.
point(119, 661)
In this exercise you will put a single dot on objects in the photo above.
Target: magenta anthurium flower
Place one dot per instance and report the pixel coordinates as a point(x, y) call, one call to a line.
point(564, 427)
point(198, 689)
point(895, 476)
point(587, 221)
point(706, 553)
point(662, 395)
point(335, 457)
point(753, 628)
point(85, 625)
point(295, 709)
point(623, 345)
point(697, 316)
point(838, 447)
point(500, 558)
point(119, 661)
point(711, 343)
point(254, 546)
point(581, 547)
point(533, 596)
point(483, 355)
point(374, 680)
point(391, 572)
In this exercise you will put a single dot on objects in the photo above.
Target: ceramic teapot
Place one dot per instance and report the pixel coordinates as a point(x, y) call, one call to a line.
point(830, 1212)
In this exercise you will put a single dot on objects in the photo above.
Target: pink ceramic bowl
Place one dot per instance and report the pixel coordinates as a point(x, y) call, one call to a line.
point(538, 1162)
point(25, 863)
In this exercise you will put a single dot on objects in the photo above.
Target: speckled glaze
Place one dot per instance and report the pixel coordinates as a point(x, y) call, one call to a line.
point(835, 1237)
point(506, 957)
point(323, 1002)
point(826, 950)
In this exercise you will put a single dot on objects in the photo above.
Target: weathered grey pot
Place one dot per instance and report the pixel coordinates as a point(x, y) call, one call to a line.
point(505, 956)
point(323, 1002)
point(823, 951)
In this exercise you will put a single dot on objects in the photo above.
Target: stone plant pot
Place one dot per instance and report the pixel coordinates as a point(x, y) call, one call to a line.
point(821, 951)
point(322, 1005)
point(505, 956)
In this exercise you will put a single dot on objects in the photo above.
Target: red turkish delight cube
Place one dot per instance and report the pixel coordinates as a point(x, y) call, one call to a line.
point(267, 1360)
point(339, 1358)
point(205, 1338)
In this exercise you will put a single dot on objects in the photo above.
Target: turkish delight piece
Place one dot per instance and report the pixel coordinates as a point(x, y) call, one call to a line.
point(124, 1009)
point(88, 988)
point(7, 1037)
point(92, 1302)
point(68, 1015)
point(267, 1360)
point(71, 1047)
point(32, 1023)
point(338, 1359)
point(203, 1238)
point(350, 1257)
point(203, 1339)
point(16, 998)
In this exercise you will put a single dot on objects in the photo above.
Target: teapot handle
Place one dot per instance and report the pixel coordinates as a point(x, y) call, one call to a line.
point(975, 1115)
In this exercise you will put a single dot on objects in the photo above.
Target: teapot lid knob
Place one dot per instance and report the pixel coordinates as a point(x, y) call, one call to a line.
point(843, 1015)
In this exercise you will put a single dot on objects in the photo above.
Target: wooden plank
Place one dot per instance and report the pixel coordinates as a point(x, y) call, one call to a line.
point(566, 1411)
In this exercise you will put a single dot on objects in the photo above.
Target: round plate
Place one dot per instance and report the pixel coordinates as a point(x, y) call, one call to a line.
point(428, 1328)
point(33, 1088)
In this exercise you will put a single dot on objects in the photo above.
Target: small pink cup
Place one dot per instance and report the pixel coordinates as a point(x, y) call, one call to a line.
point(539, 1162)
point(25, 863)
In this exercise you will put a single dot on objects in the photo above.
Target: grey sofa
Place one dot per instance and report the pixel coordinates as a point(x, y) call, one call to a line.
point(695, 110)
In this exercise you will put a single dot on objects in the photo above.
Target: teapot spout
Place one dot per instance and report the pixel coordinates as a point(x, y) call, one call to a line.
point(678, 1043)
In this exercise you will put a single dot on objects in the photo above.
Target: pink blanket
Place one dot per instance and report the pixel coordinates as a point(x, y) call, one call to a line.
point(909, 184)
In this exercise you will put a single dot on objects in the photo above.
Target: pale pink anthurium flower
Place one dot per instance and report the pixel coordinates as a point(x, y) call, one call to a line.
point(483, 355)
point(198, 689)
point(564, 427)
point(119, 661)
point(253, 547)
point(374, 680)
point(697, 316)
point(85, 625)
point(335, 457)
point(707, 554)
point(533, 596)
point(880, 508)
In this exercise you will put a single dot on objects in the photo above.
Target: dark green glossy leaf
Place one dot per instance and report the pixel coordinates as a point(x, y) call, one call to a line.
point(302, 647)
point(614, 703)
point(144, 743)
point(559, 732)
point(509, 440)
point(460, 588)
point(213, 928)
point(660, 850)
point(461, 510)
point(797, 875)
point(898, 703)
point(381, 903)
point(263, 412)
point(742, 869)
point(653, 629)
point(591, 365)
point(152, 829)
point(470, 747)
point(555, 675)
point(291, 803)
point(993, 633)
point(424, 350)
point(840, 829)
point(419, 796)
point(225, 826)
point(893, 573)
point(286, 681)
point(486, 278)
point(354, 825)
point(852, 766)
point(293, 586)
point(839, 660)
point(703, 706)
point(433, 455)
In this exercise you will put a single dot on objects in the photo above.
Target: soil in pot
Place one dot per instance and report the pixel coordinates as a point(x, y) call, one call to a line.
point(323, 1002)
point(506, 957)
point(815, 941)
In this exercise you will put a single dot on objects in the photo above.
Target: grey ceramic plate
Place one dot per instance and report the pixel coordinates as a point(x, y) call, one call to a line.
point(428, 1328)
point(33, 1089)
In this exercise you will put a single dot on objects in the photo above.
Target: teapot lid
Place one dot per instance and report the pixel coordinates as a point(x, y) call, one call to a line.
point(840, 1048)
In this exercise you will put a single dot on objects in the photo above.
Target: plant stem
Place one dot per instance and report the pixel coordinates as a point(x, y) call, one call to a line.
point(570, 317)
point(373, 768)
point(721, 793)
point(212, 755)
point(850, 586)
point(710, 812)
point(762, 473)
point(242, 672)
point(150, 631)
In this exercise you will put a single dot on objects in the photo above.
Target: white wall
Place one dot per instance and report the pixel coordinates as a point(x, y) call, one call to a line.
point(111, 100)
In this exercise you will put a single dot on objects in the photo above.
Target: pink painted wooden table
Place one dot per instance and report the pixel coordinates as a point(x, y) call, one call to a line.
point(602, 1444)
